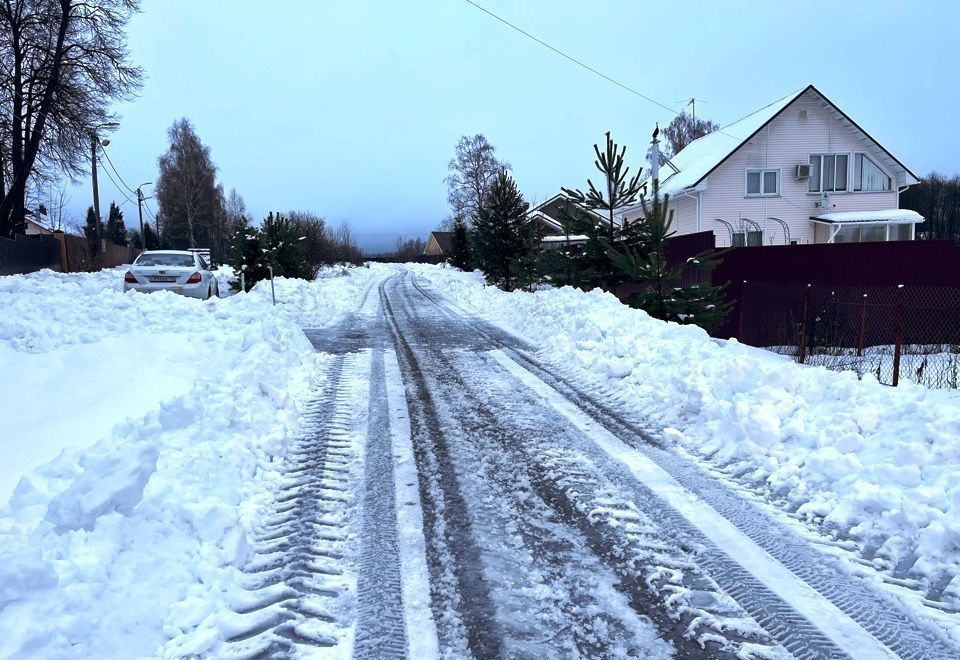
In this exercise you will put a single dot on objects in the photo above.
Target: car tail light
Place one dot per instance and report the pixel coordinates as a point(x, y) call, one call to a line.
point(194, 279)
point(129, 278)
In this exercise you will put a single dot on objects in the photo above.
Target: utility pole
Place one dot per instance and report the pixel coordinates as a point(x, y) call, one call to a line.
point(94, 141)
point(140, 198)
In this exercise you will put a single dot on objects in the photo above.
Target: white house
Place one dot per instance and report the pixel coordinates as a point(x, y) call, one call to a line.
point(799, 171)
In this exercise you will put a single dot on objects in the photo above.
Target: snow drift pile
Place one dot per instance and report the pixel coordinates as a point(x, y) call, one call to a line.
point(140, 434)
point(872, 463)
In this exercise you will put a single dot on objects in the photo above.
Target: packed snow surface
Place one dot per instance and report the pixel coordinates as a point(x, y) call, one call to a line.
point(140, 436)
point(871, 463)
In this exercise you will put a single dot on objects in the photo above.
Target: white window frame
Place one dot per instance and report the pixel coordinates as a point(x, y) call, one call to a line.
point(853, 170)
point(888, 226)
point(762, 171)
point(820, 155)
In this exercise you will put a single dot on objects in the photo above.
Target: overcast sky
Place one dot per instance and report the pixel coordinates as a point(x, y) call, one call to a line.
point(352, 109)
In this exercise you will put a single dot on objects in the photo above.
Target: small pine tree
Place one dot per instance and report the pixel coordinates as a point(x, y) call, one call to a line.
point(246, 255)
point(643, 258)
point(500, 232)
point(116, 230)
point(619, 191)
point(460, 246)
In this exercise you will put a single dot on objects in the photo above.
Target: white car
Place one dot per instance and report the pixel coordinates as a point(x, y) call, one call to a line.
point(180, 271)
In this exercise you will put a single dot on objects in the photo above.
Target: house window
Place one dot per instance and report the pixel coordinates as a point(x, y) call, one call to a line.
point(747, 238)
point(901, 232)
point(868, 176)
point(828, 172)
point(870, 233)
point(763, 183)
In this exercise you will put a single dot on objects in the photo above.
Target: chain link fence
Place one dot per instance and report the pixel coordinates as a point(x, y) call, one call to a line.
point(893, 333)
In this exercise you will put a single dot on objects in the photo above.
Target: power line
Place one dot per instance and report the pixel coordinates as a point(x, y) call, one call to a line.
point(104, 150)
point(115, 184)
point(572, 59)
point(150, 214)
point(614, 81)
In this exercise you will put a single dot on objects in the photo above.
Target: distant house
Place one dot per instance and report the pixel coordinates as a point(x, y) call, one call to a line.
point(796, 171)
point(548, 220)
point(439, 245)
point(547, 215)
point(35, 228)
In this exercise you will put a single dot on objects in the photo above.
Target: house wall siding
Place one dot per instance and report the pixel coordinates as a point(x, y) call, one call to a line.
point(783, 144)
point(684, 214)
point(433, 248)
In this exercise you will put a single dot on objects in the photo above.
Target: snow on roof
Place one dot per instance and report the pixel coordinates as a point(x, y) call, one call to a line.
point(703, 154)
point(573, 238)
point(888, 216)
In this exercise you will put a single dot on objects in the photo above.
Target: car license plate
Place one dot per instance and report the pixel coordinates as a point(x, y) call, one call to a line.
point(162, 278)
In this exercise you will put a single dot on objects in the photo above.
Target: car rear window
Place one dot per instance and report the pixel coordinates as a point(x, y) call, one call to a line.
point(165, 260)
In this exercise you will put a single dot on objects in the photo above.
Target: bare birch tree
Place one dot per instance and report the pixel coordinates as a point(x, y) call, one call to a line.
point(473, 169)
point(191, 202)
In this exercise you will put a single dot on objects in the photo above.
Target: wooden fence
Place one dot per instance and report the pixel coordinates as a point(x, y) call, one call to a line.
point(61, 252)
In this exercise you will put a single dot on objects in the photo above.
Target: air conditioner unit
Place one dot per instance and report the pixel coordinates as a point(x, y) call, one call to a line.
point(803, 171)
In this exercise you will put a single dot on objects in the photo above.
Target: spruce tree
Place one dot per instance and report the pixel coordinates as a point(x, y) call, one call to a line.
point(283, 248)
point(500, 232)
point(116, 230)
point(246, 255)
point(90, 231)
point(150, 239)
point(460, 246)
point(643, 258)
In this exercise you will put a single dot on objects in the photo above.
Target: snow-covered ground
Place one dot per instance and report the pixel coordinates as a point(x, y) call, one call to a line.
point(874, 464)
point(140, 435)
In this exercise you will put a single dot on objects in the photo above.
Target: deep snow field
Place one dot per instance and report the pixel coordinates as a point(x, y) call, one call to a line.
point(139, 436)
point(861, 461)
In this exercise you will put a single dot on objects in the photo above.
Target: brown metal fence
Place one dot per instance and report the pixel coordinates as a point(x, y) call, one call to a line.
point(891, 332)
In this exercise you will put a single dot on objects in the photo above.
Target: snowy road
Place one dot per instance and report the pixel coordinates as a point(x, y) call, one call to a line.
point(458, 497)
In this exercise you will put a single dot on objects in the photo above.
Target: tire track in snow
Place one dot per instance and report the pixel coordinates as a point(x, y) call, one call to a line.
point(552, 596)
point(422, 641)
point(874, 611)
point(461, 598)
point(299, 585)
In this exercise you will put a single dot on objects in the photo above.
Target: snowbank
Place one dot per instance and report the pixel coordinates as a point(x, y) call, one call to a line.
point(143, 432)
point(877, 464)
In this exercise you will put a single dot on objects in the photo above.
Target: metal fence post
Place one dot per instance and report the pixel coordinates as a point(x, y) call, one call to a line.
point(243, 281)
point(743, 303)
point(273, 293)
point(898, 335)
point(801, 358)
point(863, 325)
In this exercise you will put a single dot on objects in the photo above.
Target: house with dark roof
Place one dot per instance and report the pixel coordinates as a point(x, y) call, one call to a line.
point(548, 219)
point(440, 244)
point(797, 171)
